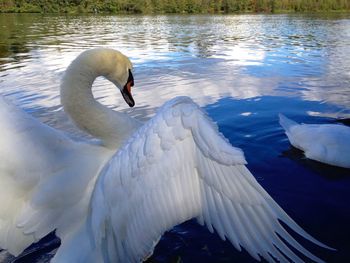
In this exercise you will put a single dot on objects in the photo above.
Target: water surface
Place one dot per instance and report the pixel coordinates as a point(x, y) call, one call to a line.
point(242, 69)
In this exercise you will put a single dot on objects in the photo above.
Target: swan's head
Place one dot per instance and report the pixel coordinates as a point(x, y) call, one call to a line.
point(118, 70)
point(106, 62)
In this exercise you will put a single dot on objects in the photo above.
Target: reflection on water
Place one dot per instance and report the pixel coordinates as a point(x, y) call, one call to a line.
point(244, 69)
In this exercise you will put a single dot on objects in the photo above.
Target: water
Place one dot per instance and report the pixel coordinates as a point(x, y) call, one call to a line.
point(242, 69)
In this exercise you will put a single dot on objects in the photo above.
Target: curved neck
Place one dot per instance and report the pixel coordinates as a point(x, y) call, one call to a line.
point(110, 126)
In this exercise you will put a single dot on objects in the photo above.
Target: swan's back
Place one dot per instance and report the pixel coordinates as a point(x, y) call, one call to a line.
point(328, 143)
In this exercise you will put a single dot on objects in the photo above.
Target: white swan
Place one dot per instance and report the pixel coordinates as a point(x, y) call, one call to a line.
point(46, 178)
point(109, 206)
point(327, 143)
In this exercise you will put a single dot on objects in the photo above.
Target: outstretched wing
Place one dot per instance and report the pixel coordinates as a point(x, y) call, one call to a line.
point(27, 151)
point(44, 179)
point(176, 167)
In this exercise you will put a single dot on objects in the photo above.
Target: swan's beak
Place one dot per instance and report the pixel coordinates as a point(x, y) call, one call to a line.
point(126, 92)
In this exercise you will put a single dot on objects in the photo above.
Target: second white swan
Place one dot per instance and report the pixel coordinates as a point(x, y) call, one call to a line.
point(117, 197)
point(327, 143)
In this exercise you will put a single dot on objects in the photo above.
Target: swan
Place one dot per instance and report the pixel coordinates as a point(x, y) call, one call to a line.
point(116, 196)
point(326, 143)
point(46, 177)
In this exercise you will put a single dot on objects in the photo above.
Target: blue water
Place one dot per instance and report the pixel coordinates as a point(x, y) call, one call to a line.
point(242, 69)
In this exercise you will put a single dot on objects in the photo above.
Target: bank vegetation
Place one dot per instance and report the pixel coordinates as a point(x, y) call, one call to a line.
point(171, 6)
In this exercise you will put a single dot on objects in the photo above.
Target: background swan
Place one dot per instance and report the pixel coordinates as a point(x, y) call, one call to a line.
point(327, 143)
point(116, 198)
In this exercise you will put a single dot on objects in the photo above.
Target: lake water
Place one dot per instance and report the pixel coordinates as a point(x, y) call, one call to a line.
point(242, 69)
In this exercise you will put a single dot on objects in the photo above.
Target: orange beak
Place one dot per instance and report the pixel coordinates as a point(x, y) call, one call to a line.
point(126, 92)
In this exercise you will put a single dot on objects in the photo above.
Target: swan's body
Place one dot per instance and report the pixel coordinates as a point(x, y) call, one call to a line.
point(116, 198)
point(327, 143)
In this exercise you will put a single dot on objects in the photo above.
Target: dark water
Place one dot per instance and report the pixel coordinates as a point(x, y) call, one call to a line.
point(242, 69)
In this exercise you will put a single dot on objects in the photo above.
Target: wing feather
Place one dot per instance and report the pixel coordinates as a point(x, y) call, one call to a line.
point(46, 179)
point(22, 136)
point(178, 166)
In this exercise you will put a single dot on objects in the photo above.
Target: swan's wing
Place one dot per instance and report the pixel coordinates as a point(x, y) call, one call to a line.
point(41, 179)
point(26, 145)
point(176, 167)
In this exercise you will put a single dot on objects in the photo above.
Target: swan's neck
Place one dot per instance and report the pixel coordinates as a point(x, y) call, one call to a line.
point(110, 126)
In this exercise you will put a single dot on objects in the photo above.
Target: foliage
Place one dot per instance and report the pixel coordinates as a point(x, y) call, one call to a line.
point(170, 6)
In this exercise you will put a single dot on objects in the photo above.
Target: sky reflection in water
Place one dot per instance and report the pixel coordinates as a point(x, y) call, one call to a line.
point(243, 69)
